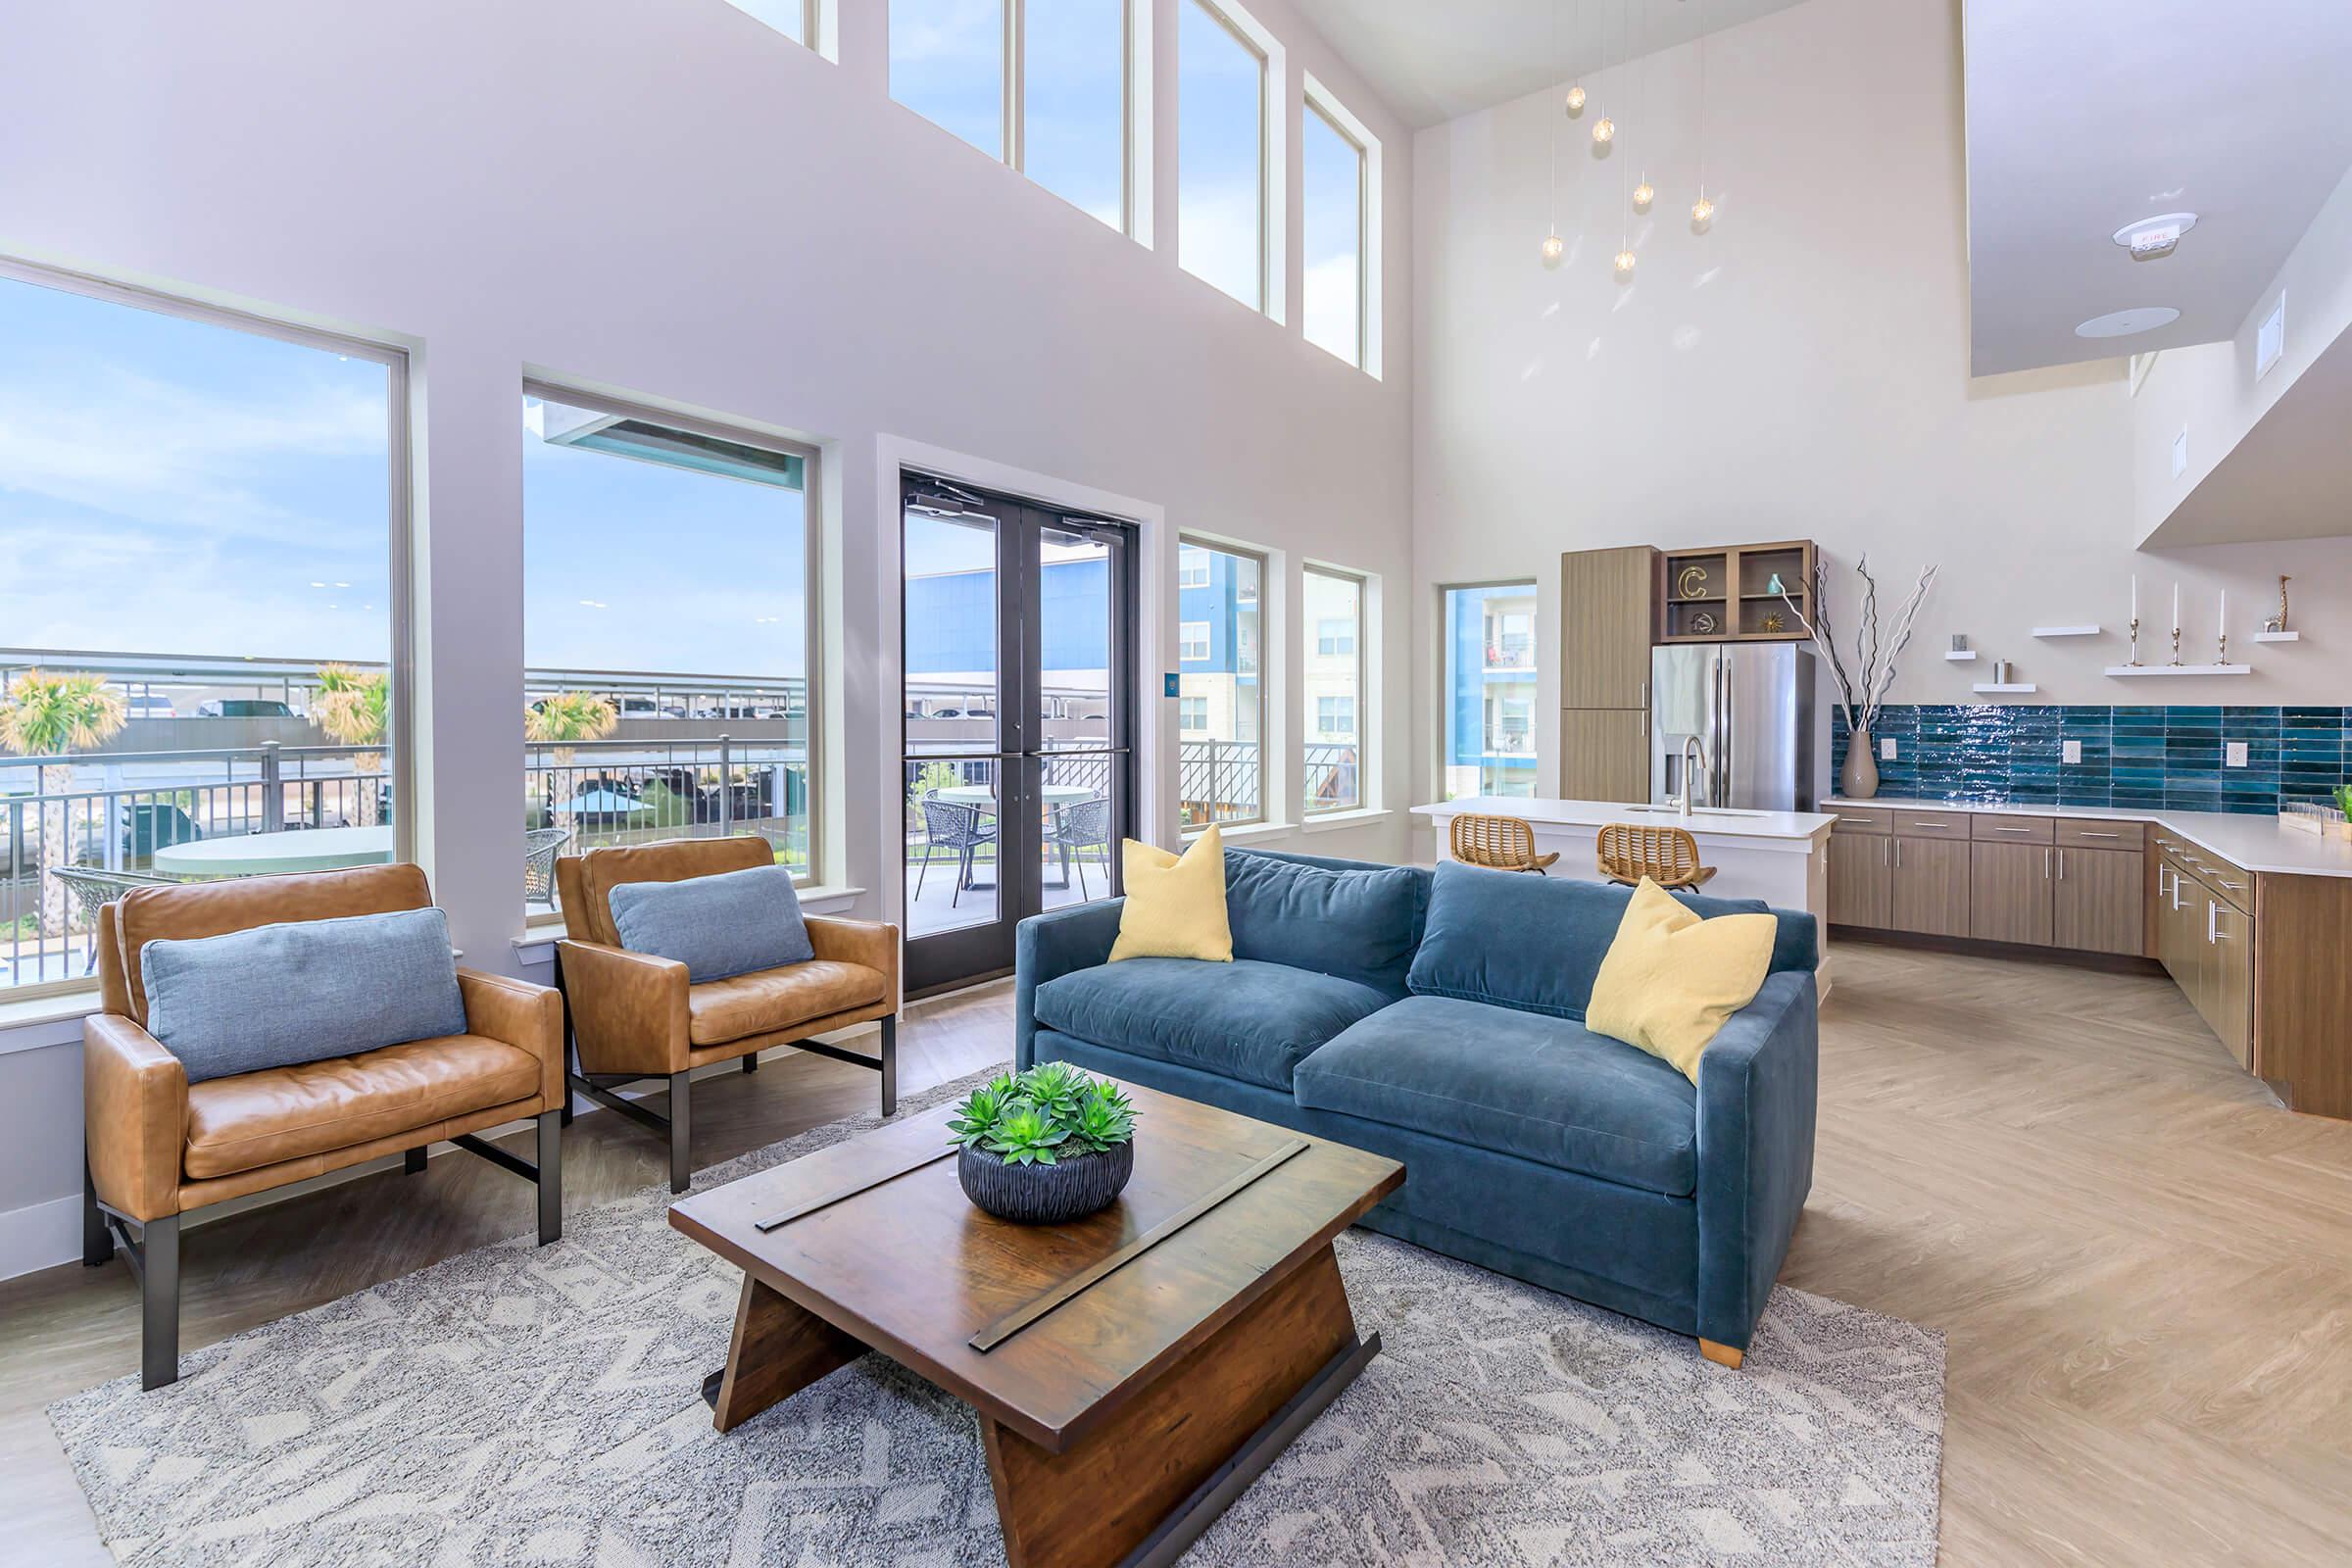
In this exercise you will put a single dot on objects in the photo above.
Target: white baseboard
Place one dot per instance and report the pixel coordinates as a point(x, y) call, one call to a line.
point(40, 1236)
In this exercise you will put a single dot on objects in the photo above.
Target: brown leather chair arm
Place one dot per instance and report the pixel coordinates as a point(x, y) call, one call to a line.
point(134, 1108)
point(527, 1017)
point(628, 1009)
point(872, 943)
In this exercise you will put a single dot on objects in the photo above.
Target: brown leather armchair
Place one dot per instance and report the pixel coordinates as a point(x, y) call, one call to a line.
point(157, 1148)
point(634, 1016)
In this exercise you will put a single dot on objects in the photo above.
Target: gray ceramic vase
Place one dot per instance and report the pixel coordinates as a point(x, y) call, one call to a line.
point(1069, 1189)
point(1858, 780)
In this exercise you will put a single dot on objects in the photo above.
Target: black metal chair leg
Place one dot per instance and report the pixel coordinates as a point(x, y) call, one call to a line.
point(551, 1176)
point(413, 1161)
point(159, 1303)
point(922, 870)
point(97, 1242)
point(890, 1063)
point(681, 1131)
point(751, 1063)
point(572, 1067)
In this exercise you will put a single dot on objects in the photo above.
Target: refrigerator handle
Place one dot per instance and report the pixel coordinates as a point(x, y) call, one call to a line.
point(1719, 768)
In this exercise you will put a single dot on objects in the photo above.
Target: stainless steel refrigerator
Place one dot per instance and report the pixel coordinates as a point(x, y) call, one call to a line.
point(1751, 705)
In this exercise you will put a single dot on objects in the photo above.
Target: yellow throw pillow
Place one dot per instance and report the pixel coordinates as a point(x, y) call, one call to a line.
point(1670, 978)
point(1175, 906)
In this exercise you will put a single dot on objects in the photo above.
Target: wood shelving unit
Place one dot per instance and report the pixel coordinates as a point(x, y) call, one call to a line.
point(1720, 595)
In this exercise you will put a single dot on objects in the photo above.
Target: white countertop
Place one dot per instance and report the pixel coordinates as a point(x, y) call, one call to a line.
point(1701, 823)
point(2256, 842)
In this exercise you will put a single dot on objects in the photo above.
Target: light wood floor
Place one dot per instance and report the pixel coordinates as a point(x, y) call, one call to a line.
point(2142, 1265)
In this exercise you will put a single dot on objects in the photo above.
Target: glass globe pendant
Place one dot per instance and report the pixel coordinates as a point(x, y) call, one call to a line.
point(1554, 248)
point(1576, 100)
point(1604, 133)
point(1624, 261)
point(1645, 194)
point(1702, 211)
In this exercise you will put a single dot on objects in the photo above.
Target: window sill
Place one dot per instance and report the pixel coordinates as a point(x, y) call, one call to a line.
point(537, 944)
point(1245, 833)
point(1331, 820)
point(34, 1023)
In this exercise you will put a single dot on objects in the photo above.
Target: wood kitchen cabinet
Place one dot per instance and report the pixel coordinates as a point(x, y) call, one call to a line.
point(2009, 892)
point(2098, 901)
point(1928, 891)
point(1604, 754)
point(1861, 879)
point(1605, 630)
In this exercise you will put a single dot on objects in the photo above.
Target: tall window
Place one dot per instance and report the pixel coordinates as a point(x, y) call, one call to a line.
point(668, 630)
point(1490, 690)
point(1053, 105)
point(788, 17)
point(1335, 687)
point(1332, 199)
point(1221, 704)
point(1221, 205)
point(202, 605)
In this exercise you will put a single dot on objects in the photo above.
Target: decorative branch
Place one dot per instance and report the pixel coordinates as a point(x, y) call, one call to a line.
point(1874, 654)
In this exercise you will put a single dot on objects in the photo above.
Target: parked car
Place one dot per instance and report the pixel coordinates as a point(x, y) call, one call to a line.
point(647, 707)
point(244, 707)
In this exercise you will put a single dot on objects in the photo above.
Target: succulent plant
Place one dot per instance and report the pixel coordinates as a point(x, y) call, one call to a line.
point(1041, 1115)
point(2344, 801)
point(1025, 1135)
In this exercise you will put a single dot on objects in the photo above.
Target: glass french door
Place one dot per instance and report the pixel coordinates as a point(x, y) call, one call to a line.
point(1016, 719)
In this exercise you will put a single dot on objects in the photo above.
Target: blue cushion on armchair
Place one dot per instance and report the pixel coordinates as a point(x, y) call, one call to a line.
point(334, 988)
point(735, 922)
point(1534, 943)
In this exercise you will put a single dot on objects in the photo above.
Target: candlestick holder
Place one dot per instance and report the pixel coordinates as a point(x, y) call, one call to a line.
point(2134, 642)
point(2221, 653)
point(2175, 645)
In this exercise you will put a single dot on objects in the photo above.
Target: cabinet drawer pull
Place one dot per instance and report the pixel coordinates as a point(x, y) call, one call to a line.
point(1997, 828)
point(1865, 820)
point(1937, 826)
point(2231, 886)
point(2088, 834)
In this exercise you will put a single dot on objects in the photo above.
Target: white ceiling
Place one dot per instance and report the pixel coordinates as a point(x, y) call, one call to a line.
point(2086, 115)
point(1431, 60)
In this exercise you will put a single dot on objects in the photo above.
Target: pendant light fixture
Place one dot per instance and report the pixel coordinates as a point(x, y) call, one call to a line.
point(1554, 249)
point(1644, 193)
point(1623, 261)
point(1605, 130)
point(1576, 89)
point(1702, 211)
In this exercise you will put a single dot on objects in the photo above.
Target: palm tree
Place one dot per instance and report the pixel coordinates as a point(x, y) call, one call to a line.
point(355, 706)
point(568, 716)
point(49, 715)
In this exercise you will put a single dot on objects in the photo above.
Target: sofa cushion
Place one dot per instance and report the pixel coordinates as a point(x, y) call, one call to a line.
point(745, 1004)
point(274, 995)
point(1359, 922)
point(1544, 1089)
point(282, 1113)
point(1245, 1019)
point(736, 923)
point(1534, 943)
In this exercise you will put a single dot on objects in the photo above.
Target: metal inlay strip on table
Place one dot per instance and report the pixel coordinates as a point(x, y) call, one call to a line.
point(923, 1155)
point(1006, 1327)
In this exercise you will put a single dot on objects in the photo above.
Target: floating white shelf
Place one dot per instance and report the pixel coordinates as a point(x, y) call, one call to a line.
point(2278, 636)
point(2012, 686)
point(2127, 671)
point(2066, 631)
point(1962, 658)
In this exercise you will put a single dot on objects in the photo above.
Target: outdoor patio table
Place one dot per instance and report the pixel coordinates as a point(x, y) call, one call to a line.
point(324, 849)
point(981, 796)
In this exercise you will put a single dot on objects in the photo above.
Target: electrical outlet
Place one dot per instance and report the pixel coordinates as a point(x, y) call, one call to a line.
point(2233, 755)
point(1885, 749)
point(2070, 750)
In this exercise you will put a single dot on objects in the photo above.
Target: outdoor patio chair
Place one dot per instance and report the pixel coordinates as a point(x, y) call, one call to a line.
point(92, 890)
point(1080, 826)
point(948, 825)
point(539, 849)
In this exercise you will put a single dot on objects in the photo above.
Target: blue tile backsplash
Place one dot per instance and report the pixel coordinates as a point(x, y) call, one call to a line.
point(2131, 756)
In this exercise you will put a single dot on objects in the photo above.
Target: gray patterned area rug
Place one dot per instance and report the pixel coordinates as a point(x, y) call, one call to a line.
point(527, 1405)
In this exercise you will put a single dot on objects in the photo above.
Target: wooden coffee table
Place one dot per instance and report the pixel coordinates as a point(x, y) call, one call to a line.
point(1133, 1372)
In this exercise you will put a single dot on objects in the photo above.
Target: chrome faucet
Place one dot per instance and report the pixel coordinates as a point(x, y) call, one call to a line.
point(1690, 744)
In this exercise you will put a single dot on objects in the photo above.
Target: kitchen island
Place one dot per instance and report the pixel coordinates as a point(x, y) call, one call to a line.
point(1779, 856)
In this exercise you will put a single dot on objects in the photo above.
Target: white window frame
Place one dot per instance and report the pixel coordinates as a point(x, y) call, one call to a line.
point(1187, 642)
point(1318, 99)
point(1191, 565)
point(1273, 156)
point(1362, 689)
point(404, 566)
point(1265, 680)
point(1135, 106)
point(819, 26)
point(815, 612)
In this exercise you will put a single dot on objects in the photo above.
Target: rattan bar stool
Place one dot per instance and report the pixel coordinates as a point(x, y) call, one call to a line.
point(1667, 856)
point(1497, 843)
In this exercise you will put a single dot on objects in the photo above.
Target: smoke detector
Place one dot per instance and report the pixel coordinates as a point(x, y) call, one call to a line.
point(2153, 238)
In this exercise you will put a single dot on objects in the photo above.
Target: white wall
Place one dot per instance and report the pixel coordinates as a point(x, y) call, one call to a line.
point(2212, 390)
point(1800, 371)
point(669, 200)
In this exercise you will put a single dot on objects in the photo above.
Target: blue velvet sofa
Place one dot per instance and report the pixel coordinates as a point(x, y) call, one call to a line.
point(1437, 1019)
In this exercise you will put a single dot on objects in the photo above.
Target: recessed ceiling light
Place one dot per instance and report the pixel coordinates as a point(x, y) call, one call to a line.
point(2122, 323)
point(2148, 238)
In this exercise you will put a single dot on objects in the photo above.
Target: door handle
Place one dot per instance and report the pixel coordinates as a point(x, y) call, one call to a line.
point(2061, 865)
point(2046, 866)
point(1899, 851)
point(2213, 921)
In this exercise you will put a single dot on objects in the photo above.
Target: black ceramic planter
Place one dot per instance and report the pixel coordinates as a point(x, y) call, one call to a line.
point(1071, 1188)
